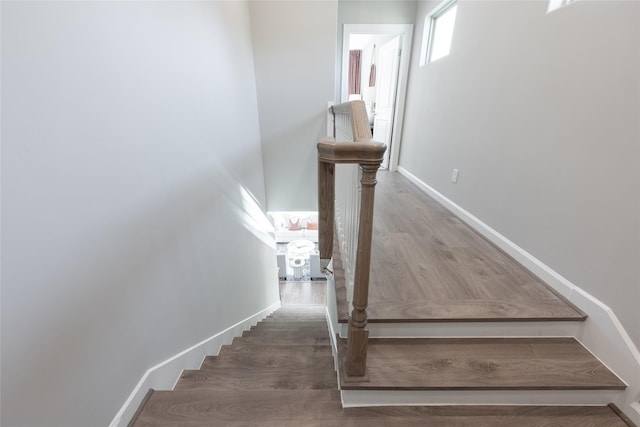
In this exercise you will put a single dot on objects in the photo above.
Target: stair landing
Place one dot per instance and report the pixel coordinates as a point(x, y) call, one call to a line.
point(428, 266)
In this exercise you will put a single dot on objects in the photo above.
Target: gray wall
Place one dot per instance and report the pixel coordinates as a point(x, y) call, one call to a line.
point(294, 46)
point(376, 12)
point(539, 112)
point(130, 137)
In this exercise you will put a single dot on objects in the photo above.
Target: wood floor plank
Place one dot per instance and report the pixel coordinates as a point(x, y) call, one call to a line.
point(275, 351)
point(307, 292)
point(304, 310)
point(288, 335)
point(317, 377)
point(282, 340)
point(291, 328)
point(184, 408)
point(483, 364)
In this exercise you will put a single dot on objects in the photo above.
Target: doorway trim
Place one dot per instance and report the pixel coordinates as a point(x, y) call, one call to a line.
point(405, 31)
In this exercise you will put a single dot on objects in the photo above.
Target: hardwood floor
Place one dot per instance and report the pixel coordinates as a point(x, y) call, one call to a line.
point(429, 266)
point(283, 381)
point(304, 292)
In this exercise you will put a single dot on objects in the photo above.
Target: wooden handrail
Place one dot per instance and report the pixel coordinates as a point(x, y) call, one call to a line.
point(368, 155)
point(359, 119)
point(353, 152)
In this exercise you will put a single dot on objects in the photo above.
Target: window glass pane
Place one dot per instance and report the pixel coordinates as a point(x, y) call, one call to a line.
point(442, 33)
point(556, 4)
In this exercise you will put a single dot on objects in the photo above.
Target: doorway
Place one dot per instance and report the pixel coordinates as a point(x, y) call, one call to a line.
point(384, 63)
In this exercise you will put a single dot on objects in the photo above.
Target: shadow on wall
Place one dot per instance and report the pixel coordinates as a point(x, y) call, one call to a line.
point(172, 264)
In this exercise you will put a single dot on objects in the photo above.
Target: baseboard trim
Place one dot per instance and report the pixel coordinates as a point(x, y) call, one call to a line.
point(330, 313)
point(602, 333)
point(164, 375)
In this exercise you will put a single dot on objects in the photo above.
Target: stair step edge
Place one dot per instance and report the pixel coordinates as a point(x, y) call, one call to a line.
point(359, 398)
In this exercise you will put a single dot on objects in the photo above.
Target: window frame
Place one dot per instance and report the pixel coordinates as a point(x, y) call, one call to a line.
point(429, 31)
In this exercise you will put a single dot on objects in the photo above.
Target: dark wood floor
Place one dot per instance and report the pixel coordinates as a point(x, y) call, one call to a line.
point(428, 265)
point(281, 373)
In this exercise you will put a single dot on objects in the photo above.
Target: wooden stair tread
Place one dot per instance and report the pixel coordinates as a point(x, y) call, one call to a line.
point(292, 334)
point(322, 407)
point(265, 350)
point(306, 310)
point(317, 377)
point(319, 324)
point(293, 360)
point(293, 316)
point(482, 364)
point(282, 340)
point(204, 407)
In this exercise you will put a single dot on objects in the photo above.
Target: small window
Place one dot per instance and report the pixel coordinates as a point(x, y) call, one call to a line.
point(557, 4)
point(438, 32)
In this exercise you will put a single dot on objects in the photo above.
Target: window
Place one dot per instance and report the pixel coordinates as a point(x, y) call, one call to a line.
point(438, 32)
point(557, 4)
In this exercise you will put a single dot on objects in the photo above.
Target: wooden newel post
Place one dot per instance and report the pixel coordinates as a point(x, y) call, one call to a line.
point(368, 154)
point(358, 334)
point(326, 210)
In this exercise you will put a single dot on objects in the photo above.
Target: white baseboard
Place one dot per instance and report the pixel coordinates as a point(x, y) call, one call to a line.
point(332, 313)
point(164, 375)
point(602, 333)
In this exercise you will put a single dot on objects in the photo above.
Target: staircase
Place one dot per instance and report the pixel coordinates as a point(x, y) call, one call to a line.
point(442, 328)
point(281, 373)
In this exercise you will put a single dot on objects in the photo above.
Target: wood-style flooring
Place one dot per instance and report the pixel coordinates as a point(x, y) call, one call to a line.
point(426, 265)
point(303, 292)
point(281, 373)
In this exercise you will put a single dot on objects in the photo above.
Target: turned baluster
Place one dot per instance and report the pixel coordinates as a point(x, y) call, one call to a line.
point(358, 334)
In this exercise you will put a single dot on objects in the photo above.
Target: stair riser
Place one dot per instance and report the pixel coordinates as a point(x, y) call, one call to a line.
point(467, 329)
point(357, 398)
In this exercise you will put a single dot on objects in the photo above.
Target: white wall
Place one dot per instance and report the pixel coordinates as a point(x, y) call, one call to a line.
point(539, 112)
point(129, 131)
point(294, 47)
